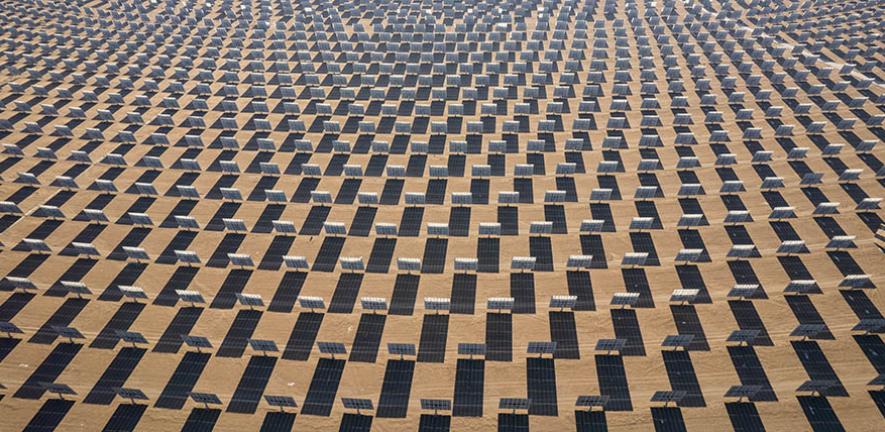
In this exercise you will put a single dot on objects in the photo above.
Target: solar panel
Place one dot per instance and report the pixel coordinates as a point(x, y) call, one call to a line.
point(500, 303)
point(437, 304)
point(191, 297)
point(541, 348)
point(52, 212)
point(744, 291)
point(332, 348)
point(198, 342)
point(609, 345)
point(635, 259)
point(352, 264)
point(436, 404)
point(9, 328)
point(513, 404)
point(263, 345)
point(861, 281)
point(385, 229)
point(580, 261)
point(251, 300)
point(58, 388)
point(87, 249)
point(684, 295)
point(808, 330)
point(625, 299)
point(140, 219)
point(232, 194)
point(10, 207)
point(240, 260)
point(802, 287)
point(131, 337)
point(235, 225)
point(508, 197)
point(133, 394)
point(205, 398)
point(357, 404)
point(402, 349)
point(187, 257)
point(280, 401)
point(489, 229)
point(677, 341)
point(283, 227)
point(839, 242)
point(563, 302)
point(312, 302)
point(415, 198)
point(408, 264)
point(373, 303)
point(186, 222)
point(870, 325)
point(816, 386)
point(668, 396)
point(869, 204)
point(21, 283)
point(466, 264)
point(641, 223)
point(744, 336)
point(472, 349)
point(68, 332)
point(437, 229)
point(591, 401)
point(334, 228)
point(523, 263)
point(743, 391)
point(320, 197)
point(296, 262)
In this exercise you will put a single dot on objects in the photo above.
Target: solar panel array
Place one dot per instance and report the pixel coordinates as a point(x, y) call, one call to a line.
point(217, 214)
